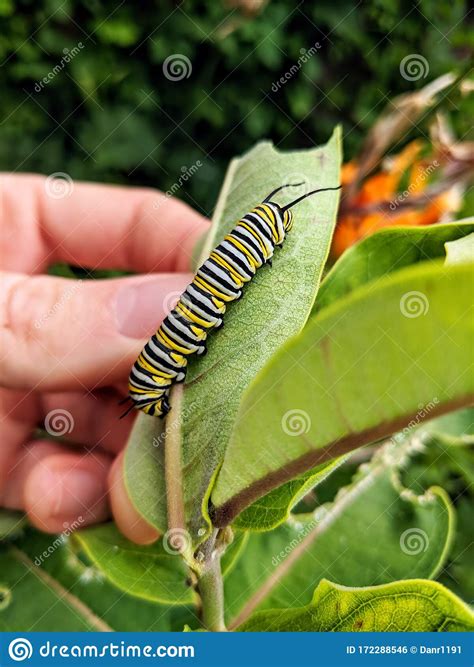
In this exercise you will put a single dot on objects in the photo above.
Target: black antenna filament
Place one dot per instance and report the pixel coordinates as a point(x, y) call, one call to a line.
point(288, 185)
point(308, 194)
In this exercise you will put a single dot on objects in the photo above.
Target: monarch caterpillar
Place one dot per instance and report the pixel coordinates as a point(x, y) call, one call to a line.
point(201, 307)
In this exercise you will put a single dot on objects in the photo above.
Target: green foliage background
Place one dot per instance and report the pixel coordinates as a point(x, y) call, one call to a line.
point(111, 115)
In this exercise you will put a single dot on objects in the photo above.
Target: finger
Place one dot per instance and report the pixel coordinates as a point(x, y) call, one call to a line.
point(128, 520)
point(21, 464)
point(67, 490)
point(20, 412)
point(88, 419)
point(97, 226)
point(84, 419)
point(59, 334)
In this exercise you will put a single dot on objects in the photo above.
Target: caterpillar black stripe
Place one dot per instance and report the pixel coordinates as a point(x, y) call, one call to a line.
point(201, 307)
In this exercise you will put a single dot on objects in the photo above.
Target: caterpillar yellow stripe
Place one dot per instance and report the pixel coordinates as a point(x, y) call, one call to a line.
point(201, 308)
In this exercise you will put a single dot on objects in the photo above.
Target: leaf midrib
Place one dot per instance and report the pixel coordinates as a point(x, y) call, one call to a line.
point(226, 513)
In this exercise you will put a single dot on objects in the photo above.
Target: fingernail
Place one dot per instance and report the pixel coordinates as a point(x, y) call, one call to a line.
point(73, 494)
point(141, 306)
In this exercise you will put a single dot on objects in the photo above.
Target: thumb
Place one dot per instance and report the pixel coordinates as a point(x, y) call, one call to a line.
point(60, 334)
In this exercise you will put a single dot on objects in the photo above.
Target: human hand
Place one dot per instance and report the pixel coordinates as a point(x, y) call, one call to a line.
point(68, 346)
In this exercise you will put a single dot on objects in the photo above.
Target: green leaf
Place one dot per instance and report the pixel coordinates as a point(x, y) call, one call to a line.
point(275, 507)
point(408, 606)
point(387, 251)
point(461, 250)
point(304, 408)
point(148, 572)
point(275, 307)
point(144, 470)
point(409, 536)
point(233, 552)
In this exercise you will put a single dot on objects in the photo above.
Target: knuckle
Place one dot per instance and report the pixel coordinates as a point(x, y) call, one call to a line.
point(29, 304)
point(28, 309)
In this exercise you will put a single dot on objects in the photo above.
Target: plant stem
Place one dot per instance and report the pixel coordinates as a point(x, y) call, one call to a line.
point(173, 464)
point(210, 584)
point(211, 589)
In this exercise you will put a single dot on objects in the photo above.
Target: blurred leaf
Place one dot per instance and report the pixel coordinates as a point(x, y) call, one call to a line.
point(50, 606)
point(409, 606)
point(458, 574)
point(114, 129)
point(52, 566)
point(118, 30)
point(456, 427)
point(442, 461)
point(409, 536)
point(11, 523)
point(6, 7)
point(445, 457)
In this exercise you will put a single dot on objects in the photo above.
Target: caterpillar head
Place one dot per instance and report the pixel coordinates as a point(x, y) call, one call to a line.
point(287, 220)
